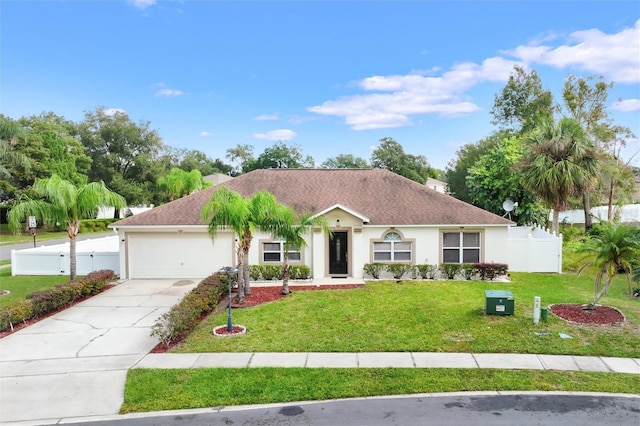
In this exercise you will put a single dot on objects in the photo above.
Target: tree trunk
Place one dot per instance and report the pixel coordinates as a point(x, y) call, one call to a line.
point(247, 277)
point(556, 220)
point(285, 274)
point(72, 231)
point(241, 293)
point(586, 205)
point(603, 291)
point(610, 201)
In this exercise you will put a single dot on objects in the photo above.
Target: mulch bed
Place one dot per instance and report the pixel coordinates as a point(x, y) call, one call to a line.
point(577, 313)
point(27, 323)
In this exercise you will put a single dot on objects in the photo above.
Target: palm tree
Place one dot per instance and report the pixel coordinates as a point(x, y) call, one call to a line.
point(292, 228)
point(616, 247)
point(10, 133)
point(560, 163)
point(228, 209)
point(179, 183)
point(60, 201)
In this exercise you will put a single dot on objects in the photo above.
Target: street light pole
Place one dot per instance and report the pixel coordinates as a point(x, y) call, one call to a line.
point(229, 270)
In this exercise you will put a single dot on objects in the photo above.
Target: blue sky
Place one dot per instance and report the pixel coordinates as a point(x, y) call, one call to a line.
point(332, 77)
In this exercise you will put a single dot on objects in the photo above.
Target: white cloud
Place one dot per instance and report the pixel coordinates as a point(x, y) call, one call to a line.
point(204, 133)
point(627, 105)
point(615, 56)
point(267, 117)
point(276, 135)
point(143, 4)
point(113, 111)
point(168, 93)
point(414, 94)
point(392, 100)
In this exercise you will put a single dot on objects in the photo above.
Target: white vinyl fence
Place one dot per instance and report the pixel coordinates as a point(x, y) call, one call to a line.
point(91, 255)
point(533, 249)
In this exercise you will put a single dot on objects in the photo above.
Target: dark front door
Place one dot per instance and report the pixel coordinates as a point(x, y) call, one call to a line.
point(338, 253)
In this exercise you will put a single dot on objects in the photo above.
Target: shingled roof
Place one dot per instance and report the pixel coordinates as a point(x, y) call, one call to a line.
point(385, 198)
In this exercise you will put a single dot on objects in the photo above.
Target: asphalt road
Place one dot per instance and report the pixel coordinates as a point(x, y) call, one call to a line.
point(521, 410)
point(5, 250)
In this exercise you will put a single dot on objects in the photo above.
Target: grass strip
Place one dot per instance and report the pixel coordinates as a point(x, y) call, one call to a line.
point(175, 389)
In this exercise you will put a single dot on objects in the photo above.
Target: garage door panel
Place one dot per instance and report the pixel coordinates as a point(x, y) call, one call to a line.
point(177, 255)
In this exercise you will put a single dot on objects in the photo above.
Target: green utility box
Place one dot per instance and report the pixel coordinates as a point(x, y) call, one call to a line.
point(498, 302)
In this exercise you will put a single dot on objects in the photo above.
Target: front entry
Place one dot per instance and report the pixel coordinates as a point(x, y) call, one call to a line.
point(338, 253)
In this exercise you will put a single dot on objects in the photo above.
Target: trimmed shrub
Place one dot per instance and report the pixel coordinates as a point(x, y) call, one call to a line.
point(96, 225)
point(54, 298)
point(374, 269)
point(299, 272)
point(489, 271)
point(426, 271)
point(183, 317)
point(20, 310)
point(255, 272)
point(398, 269)
point(272, 272)
point(450, 270)
point(468, 270)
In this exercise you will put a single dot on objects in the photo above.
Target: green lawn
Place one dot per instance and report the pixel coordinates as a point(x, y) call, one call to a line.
point(22, 285)
point(152, 390)
point(7, 237)
point(426, 316)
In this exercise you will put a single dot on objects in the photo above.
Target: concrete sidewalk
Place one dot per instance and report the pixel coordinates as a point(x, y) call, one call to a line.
point(392, 359)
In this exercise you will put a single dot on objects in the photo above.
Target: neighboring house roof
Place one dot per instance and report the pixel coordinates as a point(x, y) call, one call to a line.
point(383, 197)
point(216, 178)
point(437, 185)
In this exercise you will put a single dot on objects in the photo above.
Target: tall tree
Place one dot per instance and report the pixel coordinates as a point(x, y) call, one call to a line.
point(123, 153)
point(61, 201)
point(293, 228)
point(279, 156)
point(179, 183)
point(614, 246)
point(390, 155)
point(10, 133)
point(522, 103)
point(458, 169)
point(197, 160)
point(495, 178)
point(345, 161)
point(560, 160)
point(229, 210)
point(587, 105)
point(241, 155)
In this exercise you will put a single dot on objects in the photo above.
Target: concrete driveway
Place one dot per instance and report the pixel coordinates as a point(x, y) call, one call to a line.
point(74, 363)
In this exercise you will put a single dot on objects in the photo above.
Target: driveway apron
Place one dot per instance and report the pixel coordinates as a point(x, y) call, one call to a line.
point(75, 362)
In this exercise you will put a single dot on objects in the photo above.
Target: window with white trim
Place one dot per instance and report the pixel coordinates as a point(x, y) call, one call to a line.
point(392, 248)
point(273, 252)
point(460, 247)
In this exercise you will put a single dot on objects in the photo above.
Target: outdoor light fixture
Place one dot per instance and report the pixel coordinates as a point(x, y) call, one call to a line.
point(338, 223)
point(229, 270)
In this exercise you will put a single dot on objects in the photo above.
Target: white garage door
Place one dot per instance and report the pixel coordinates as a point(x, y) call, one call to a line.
point(186, 255)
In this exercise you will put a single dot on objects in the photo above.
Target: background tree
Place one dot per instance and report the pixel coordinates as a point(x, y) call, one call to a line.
point(192, 159)
point(468, 155)
point(345, 161)
point(522, 103)
point(390, 155)
point(279, 156)
point(123, 153)
point(60, 201)
point(229, 210)
point(10, 133)
point(559, 160)
point(179, 183)
point(241, 155)
point(495, 178)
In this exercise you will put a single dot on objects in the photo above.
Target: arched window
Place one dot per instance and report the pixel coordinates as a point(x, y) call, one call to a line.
point(392, 248)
